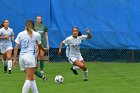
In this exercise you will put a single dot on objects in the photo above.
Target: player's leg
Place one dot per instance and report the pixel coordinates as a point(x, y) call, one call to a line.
point(85, 73)
point(41, 61)
point(27, 83)
point(9, 55)
point(30, 81)
point(30, 76)
point(4, 62)
point(29, 62)
point(82, 66)
point(74, 68)
point(38, 73)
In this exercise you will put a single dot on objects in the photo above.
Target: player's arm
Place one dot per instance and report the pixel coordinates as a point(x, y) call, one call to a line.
point(60, 48)
point(89, 36)
point(47, 39)
point(66, 42)
point(4, 37)
point(15, 54)
point(12, 37)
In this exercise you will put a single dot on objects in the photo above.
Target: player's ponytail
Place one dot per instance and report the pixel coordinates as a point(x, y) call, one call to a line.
point(30, 27)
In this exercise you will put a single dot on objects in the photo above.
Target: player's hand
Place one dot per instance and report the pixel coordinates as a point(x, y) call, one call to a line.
point(59, 52)
point(87, 30)
point(15, 64)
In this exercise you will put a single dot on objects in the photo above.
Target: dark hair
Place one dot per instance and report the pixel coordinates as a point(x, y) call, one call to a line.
point(39, 16)
point(2, 23)
point(30, 27)
point(79, 34)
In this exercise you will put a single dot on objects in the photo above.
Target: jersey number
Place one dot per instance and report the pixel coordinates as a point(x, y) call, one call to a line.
point(25, 43)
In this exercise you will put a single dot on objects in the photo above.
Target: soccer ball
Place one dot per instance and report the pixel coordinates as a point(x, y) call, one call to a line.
point(59, 79)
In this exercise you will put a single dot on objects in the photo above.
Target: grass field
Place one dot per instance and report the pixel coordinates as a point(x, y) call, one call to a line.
point(103, 78)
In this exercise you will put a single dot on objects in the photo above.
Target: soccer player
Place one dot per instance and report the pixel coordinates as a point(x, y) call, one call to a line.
point(73, 51)
point(27, 59)
point(6, 34)
point(43, 31)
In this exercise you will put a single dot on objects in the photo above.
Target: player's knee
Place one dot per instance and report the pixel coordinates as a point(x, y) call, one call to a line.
point(8, 57)
point(82, 66)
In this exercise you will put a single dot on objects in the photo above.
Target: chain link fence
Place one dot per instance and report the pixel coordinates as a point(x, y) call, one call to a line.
point(96, 55)
point(99, 55)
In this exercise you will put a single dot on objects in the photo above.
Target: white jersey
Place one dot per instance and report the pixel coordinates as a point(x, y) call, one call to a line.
point(28, 44)
point(6, 43)
point(73, 45)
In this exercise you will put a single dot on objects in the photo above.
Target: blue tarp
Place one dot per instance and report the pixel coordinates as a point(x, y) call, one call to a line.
point(114, 24)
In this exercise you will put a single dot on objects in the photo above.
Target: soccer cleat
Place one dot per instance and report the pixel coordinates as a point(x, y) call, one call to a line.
point(5, 69)
point(44, 78)
point(85, 79)
point(74, 71)
point(42, 72)
point(9, 72)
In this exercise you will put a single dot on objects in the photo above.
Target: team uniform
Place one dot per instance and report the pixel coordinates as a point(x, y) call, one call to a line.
point(73, 48)
point(27, 58)
point(41, 30)
point(6, 44)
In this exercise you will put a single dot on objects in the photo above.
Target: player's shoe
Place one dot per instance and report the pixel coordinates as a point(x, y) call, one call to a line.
point(74, 71)
point(42, 72)
point(44, 78)
point(9, 72)
point(85, 79)
point(5, 69)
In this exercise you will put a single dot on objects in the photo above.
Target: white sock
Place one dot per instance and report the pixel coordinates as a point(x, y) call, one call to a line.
point(26, 86)
point(85, 74)
point(34, 87)
point(9, 64)
point(4, 62)
point(75, 67)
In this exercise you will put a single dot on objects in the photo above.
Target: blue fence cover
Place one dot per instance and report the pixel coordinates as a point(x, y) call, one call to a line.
point(114, 24)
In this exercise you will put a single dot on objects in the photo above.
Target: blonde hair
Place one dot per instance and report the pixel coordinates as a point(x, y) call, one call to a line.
point(30, 27)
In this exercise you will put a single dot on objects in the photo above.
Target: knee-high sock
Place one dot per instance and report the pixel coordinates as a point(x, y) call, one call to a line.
point(34, 87)
point(41, 64)
point(85, 74)
point(4, 63)
point(38, 74)
point(26, 86)
point(9, 64)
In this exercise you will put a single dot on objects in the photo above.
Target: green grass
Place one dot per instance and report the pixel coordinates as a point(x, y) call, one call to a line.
point(103, 78)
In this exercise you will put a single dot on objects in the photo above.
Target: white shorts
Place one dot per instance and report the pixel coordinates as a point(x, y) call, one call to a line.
point(5, 46)
point(5, 49)
point(73, 59)
point(27, 61)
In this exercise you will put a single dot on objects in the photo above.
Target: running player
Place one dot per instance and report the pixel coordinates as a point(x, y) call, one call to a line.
point(6, 34)
point(43, 31)
point(73, 51)
point(27, 59)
